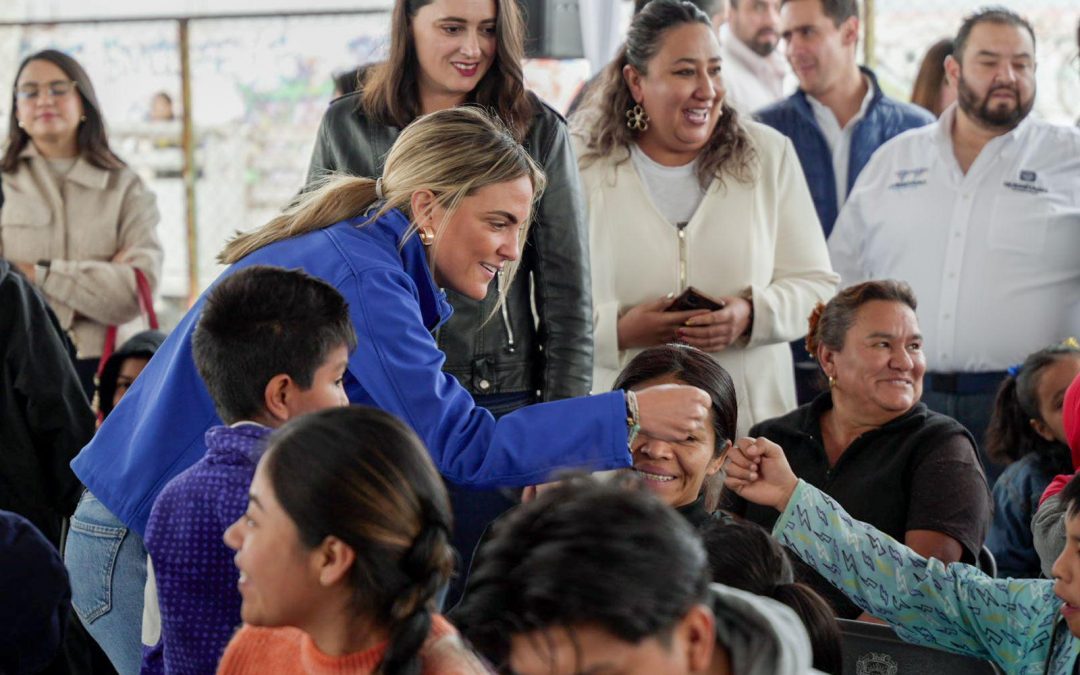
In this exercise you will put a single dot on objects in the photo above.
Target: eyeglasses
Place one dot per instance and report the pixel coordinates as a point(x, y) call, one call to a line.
point(29, 91)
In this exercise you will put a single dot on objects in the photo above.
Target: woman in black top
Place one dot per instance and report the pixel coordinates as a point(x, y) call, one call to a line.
point(870, 444)
point(684, 474)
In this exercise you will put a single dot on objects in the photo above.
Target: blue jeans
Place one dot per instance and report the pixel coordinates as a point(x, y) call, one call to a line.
point(107, 565)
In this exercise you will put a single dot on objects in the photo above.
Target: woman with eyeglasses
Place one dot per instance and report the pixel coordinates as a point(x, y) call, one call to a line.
point(78, 223)
point(74, 218)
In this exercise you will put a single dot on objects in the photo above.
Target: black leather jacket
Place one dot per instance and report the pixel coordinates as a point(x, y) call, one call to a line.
point(45, 418)
point(513, 352)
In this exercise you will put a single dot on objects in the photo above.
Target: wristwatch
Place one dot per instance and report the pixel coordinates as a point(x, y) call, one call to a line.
point(41, 270)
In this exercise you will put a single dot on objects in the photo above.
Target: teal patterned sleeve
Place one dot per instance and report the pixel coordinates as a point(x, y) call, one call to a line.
point(956, 607)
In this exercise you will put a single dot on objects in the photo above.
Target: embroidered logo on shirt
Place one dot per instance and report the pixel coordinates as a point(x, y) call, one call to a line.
point(909, 178)
point(1027, 183)
point(875, 663)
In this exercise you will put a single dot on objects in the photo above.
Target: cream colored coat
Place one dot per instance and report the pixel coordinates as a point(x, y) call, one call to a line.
point(95, 228)
point(761, 241)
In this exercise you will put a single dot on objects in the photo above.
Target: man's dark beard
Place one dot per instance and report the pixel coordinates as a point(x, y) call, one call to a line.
point(763, 46)
point(993, 118)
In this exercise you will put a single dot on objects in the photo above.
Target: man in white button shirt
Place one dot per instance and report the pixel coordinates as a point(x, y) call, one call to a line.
point(754, 71)
point(836, 120)
point(980, 213)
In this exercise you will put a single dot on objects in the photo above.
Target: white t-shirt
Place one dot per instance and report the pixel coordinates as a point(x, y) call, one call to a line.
point(674, 190)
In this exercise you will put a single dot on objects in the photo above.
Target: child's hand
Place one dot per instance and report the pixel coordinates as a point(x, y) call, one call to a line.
point(758, 471)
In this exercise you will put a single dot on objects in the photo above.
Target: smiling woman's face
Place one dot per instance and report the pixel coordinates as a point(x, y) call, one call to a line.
point(278, 580)
point(455, 45)
point(681, 92)
point(44, 115)
point(879, 372)
point(675, 472)
point(475, 243)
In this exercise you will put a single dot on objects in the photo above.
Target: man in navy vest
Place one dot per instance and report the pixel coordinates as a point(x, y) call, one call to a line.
point(836, 119)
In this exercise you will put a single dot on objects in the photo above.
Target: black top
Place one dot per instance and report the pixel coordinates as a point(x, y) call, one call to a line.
point(697, 516)
point(916, 472)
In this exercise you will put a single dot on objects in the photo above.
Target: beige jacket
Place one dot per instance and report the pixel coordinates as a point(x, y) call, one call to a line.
point(760, 241)
point(97, 227)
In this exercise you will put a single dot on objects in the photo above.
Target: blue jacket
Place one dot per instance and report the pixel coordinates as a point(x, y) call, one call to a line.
point(884, 119)
point(1016, 499)
point(157, 429)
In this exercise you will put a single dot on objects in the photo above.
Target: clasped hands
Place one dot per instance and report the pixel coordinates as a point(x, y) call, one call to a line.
point(648, 324)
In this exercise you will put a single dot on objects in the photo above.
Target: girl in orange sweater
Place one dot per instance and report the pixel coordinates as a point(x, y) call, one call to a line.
point(341, 551)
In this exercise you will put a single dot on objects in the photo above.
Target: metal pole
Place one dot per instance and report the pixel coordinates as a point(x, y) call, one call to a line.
point(870, 38)
point(190, 169)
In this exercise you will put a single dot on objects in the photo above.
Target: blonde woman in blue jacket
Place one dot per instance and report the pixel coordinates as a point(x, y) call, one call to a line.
point(451, 209)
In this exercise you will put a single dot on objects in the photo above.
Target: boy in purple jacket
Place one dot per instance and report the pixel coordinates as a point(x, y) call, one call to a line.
point(271, 344)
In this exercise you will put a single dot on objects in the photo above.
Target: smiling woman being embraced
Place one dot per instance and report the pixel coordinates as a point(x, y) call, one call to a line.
point(684, 473)
point(870, 444)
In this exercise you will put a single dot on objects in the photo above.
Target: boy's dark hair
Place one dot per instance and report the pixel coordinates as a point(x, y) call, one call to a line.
point(260, 322)
point(994, 14)
point(1070, 497)
point(837, 10)
point(743, 555)
point(584, 553)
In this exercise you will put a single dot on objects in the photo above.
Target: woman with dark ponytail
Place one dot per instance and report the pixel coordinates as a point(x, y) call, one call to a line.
point(743, 555)
point(1026, 429)
point(342, 549)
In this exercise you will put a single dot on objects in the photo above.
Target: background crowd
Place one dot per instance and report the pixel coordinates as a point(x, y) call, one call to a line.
point(740, 284)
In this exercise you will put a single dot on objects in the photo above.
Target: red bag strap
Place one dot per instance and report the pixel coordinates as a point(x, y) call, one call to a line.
point(146, 298)
point(146, 305)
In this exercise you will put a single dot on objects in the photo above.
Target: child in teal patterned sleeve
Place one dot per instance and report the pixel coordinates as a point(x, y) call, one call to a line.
point(1028, 626)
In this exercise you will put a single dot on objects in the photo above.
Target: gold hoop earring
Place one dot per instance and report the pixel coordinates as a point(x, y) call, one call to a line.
point(427, 236)
point(637, 119)
point(832, 381)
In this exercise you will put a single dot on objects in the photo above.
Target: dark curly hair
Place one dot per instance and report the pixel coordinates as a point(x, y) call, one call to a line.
point(602, 121)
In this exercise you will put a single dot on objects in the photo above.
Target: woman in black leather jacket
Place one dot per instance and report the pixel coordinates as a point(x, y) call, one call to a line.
point(445, 53)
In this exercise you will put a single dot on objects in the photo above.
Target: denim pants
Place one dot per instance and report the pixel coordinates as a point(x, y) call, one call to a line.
point(107, 565)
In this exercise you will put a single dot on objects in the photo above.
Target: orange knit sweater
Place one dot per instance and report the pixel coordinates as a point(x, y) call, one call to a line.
point(290, 651)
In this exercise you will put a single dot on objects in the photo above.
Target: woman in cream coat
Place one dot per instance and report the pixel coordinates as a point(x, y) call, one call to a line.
point(75, 219)
point(682, 194)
